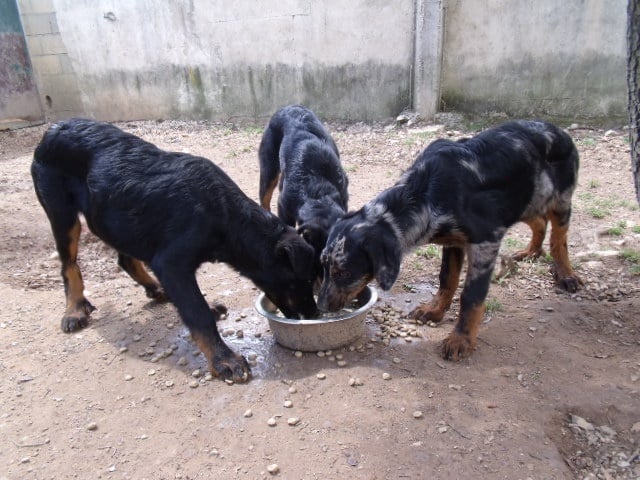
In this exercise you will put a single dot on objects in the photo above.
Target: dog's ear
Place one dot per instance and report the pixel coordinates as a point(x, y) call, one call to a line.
point(299, 254)
point(386, 256)
point(314, 235)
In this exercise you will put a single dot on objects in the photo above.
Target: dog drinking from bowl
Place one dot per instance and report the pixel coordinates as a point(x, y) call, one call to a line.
point(463, 195)
point(299, 155)
point(171, 211)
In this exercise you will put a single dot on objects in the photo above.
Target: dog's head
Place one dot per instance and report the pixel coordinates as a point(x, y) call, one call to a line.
point(288, 281)
point(358, 250)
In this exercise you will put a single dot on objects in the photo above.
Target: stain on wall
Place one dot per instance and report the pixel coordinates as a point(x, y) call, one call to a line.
point(19, 101)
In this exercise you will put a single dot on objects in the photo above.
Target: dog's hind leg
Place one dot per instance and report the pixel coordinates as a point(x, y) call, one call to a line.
point(564, 275)
point(136, 270)
point(538, 226)
point(268, 155)
point(180, 283)
point(462, 341)
point(433, 311)
point(78, 308)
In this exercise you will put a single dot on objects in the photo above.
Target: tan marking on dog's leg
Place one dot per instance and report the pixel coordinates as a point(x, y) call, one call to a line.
point(265, 201)
point(137, 271)
point(434, 310)
point(463, 340)
point(564, 275)
point(77, 308)
point(538, 226)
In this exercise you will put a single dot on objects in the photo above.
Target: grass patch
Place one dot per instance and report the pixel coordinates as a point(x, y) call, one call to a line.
point(493, 305)
point(618, 230)
point(514, 243)
point(429, 252)
point(636, 229)
point(632, 257)
point(594, 183)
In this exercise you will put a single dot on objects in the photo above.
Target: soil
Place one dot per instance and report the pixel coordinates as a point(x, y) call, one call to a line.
point(552, 391)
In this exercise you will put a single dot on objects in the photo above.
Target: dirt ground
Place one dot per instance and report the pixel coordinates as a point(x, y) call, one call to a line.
point(552, 391)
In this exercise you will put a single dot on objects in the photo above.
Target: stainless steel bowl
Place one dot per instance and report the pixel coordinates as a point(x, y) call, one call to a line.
point(325, 333)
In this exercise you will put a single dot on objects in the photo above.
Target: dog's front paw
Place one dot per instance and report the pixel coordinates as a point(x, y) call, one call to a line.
point(569, 284)
point(231, 366)
point(427, 313)
point(219, 308)
point(456, 346)
point(528, 254)
point(77, 317)
point(157, 293)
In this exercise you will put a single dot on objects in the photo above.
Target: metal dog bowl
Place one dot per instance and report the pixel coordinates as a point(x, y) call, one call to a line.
point(333, 330)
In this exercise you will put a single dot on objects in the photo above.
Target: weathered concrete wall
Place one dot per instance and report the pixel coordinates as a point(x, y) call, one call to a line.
point(220, 59)
point(19, 103)
point(356, 60)
point(535, 57)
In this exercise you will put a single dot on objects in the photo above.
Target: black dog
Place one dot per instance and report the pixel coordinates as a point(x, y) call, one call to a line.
point(172, 211)
point(463, 195)
point(297, 149)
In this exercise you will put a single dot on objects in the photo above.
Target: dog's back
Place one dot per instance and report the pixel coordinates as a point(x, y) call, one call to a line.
point(298, 151)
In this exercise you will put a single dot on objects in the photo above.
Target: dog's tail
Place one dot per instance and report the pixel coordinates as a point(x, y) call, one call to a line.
point(269, 156)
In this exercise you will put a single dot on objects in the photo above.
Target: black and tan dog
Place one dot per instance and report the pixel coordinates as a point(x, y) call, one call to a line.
point(463, 195)
point(172, 211)
point(298, 154)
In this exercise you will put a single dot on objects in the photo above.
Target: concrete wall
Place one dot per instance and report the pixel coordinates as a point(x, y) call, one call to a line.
point(19, 102)
point(357, 60)
point(220, 59)
point(536, 57)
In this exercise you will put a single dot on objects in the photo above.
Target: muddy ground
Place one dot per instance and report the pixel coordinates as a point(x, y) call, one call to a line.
point(552, 391)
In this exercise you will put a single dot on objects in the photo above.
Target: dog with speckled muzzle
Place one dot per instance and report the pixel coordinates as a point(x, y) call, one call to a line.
point(463, 195)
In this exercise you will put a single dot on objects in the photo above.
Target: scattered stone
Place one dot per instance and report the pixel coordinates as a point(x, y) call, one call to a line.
point(298, 354)
point(287, 404)
point(293, 421)
point(386, 376)
point(355, 382)
point(248, 413)
point(341, 363)
point(128, 377)
point(272, 422)
point(293, 389)
point(273, 469)
point(321, 376)
point(169, 383)
point(194, 384)
point(196, 373)
point(417, 414)
point(182, 361)
point(92, 426)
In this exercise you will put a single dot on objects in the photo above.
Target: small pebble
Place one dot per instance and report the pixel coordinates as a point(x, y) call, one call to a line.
point(240, 333)
point(252, 356)
point(168, 383)
point(182, 361)
point(341, 363)
point(287, 404)
point(386, 376)
point(293, 390)
point(293, 421)
point(320, 354)
point(298, 354)
point(248, 413)
point(92, 426)
point(208, 377)
point(339, 356)
point(417, 414)
point(273, 469)
point(272, 422)
point(170, 325)
point(194, 384)
point(137, 338)
point(321, 376)
point(196, 373)
point(124, 350)
point(128, 377)
point(396, 360)
point(151, 372)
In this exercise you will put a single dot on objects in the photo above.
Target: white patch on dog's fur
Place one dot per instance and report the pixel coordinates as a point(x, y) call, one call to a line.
point(543, 190)
point(481, 258)
point(473, 168)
